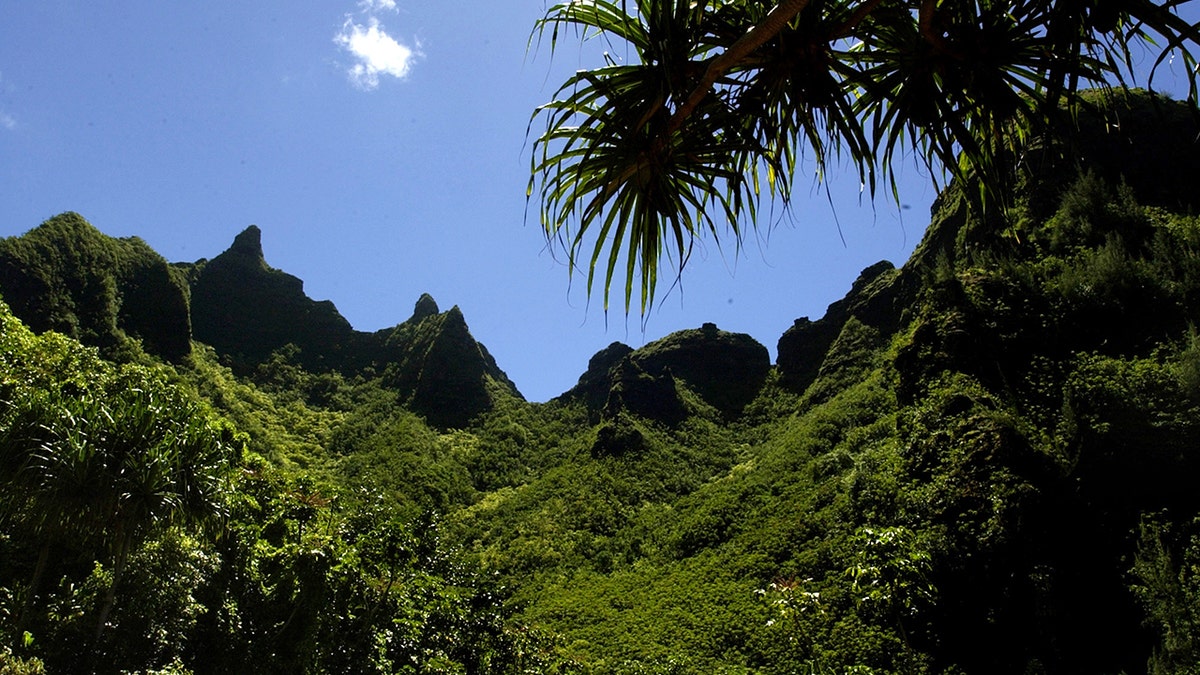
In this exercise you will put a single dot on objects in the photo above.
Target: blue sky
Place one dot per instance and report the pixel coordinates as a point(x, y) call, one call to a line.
point(382, 148)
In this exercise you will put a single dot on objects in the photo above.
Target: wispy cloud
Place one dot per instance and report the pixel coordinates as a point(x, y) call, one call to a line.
point(6, 121)
point(378, 5)
point(377, 53)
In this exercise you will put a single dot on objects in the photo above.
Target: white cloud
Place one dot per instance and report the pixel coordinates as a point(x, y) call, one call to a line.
point(378, 5)
point(377, 52)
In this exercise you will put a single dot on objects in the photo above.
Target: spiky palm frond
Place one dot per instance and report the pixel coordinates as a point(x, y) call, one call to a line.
point(641, 158)
point(961, 84)
point(609, 160)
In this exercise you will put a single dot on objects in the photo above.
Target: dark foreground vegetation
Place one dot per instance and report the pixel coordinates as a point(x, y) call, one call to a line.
point(983, 462)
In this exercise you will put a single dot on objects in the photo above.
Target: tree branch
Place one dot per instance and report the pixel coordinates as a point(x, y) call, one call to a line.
point(861, 13)
point(932, 35)
point(776, 21)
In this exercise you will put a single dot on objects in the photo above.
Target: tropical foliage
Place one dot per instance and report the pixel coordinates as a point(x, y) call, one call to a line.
point(990, 468)
point(701, 110)
point(141, 532)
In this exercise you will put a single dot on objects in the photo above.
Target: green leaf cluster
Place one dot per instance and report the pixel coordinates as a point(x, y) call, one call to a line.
point(701, 111)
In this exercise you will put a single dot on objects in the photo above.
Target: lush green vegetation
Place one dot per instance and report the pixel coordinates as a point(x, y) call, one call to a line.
point(99, 290)
point(141, 532)
point(990, 470)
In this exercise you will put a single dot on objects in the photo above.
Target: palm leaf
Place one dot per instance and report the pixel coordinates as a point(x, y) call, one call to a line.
point(727, 96)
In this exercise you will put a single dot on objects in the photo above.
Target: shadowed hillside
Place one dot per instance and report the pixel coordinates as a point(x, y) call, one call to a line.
point(983, 461)
point(67, 277)
point(726, 370)
point(245, 309)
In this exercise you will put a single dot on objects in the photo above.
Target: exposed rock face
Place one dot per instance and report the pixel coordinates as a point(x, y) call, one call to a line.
point(875, 299)
point(246, 310)
point(725, 369)
point(67, 276)
point(426, 306)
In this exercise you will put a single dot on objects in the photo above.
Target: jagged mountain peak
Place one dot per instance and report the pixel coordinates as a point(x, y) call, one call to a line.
point(247, 310)
point(725, 369)
point(248, 245)
point(426, 306)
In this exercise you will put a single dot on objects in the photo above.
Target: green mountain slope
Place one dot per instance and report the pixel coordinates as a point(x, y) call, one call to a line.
point(68, 277)
point(982, 462)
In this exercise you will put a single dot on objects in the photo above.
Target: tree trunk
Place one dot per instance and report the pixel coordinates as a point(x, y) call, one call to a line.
point(110, 597)
point(776, 21)
point(31, 592)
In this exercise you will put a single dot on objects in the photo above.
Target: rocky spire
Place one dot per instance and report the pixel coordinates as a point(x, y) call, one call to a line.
point(426, 306)
point(248, 245)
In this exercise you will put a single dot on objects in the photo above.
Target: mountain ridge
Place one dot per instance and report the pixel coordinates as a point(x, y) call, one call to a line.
point(66, 275)
point(981, 462)
point(247, 310)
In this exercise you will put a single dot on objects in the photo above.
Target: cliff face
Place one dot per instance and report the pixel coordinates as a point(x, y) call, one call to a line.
point(726, 370)
point(246, 310)
point(68, 277)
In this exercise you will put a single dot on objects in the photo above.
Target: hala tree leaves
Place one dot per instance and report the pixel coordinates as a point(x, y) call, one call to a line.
point(720, 98)
point(647, 187)
point(104, 468)
point(133, 458)
point(100, 456)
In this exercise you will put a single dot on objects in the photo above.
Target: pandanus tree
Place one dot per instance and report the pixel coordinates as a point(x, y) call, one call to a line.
point(703, 108)
point(110, 467)
point(165, 465)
